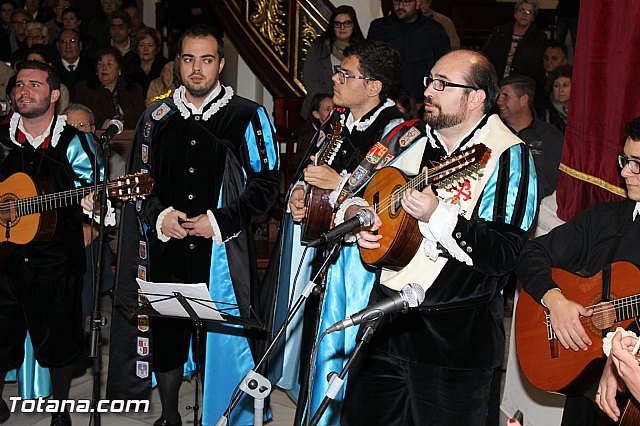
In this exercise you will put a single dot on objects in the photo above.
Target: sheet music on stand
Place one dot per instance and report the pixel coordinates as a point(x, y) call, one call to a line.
point(162, 298)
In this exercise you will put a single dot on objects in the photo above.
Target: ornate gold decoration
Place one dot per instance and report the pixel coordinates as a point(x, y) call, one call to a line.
point(163, 96)
point(307, 36)
point(266, 18)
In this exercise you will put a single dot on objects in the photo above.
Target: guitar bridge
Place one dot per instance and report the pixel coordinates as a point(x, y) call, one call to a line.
point(551, 335)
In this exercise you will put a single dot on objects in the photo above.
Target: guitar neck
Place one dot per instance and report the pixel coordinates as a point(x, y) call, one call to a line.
point(627, 307)
point(42, 203)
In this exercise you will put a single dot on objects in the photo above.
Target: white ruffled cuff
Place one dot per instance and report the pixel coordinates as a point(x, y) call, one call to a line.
point(216, 229)
point(161, 216)
point(606, 342)
point(440, 229)
point(353, 201)
point(109, 218)
point(333, 197)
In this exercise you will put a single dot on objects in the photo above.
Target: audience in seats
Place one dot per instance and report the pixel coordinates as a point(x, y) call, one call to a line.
point(120, 32)
point(55, 25)
point(559, 94)
point(98, 25)
point(71, 21)
point(147, 60)
point(18, 37)
point(112, 96)
point(6, 8)
point(327, 51)
point(70, 64)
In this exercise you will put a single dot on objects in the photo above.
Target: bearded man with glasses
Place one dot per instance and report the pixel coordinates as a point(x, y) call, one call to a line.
point(420, 41)
point(415, 370)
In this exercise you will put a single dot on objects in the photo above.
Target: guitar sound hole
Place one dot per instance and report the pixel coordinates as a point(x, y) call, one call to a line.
point(8, 210)
point(395, 205)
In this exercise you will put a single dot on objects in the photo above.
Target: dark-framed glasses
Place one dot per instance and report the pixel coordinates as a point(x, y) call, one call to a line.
point(343, 75)
point(342, 24)
point(439, 85)
point(526, 11)
point(634, 165)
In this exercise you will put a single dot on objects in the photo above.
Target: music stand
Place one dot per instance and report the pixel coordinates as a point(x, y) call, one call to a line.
point(187, 302)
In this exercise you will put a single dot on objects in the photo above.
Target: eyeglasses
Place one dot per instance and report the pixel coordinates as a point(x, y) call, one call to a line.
point(20, 22)
point(439, 85)
point(343, 76)
point(526, 11)
point(342, 24)
point(396, 2)
point(40, 37)
point(82, 126)
point(69, 41)
point(634, 165)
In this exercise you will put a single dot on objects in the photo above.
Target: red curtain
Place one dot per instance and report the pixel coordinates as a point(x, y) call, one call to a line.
point(605, 94)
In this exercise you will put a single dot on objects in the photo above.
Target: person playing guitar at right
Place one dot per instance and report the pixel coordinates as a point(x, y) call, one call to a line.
point(588, 243)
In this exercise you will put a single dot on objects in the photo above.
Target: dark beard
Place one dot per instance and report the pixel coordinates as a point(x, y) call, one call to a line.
point(199, 93)
point(443, 121)
point(37, 112)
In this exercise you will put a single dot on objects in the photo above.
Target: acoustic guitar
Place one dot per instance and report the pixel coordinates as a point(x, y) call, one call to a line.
point(27, 212)
point(402, 238)
point(543, 360)
point(319, 213)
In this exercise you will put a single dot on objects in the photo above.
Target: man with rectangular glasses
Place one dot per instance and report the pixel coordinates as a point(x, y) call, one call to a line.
point(589, 242)
point(417, 369)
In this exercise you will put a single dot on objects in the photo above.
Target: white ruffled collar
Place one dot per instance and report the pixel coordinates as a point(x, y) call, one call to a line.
point(364, 125)
point(61, 121)
point(183, 106)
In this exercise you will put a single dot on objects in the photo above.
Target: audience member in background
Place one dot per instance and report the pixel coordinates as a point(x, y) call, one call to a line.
point(6, 72)
point(120, 32)
point(515, 104)
point(567, 13)
point(71, 21)
point(517, 47)
point(555, 56)
point(164, 85)
point(98, 25)
point(405, 103)
point(447, 23)
point(6, 8)
point(70, 64)
point(55, 25)
point(420, 41)
point(38, 14)
point(113, 95)
point(327, 51)
point(19, 20)
point(41, 53)
point(147, 61)
point(36, 34)
point(321, 107)
point(559, 89)
point(136, 17)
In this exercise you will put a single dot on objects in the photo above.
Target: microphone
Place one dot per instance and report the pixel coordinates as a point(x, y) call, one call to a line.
point(363, 219)
point(410, 296)
point(115, 128)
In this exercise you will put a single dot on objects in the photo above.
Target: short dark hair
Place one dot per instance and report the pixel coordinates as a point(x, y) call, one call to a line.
point(533, 3)
point(314, 105)
point(202, 31)
point(72, 10)
point(483, 75)
point(632, 129)
point(109, 51)
point(406, 100)
point(53, 79)
point(563, 71)
point(522, 85)
point(121, 14)
point(557, 45)
point(379, 61)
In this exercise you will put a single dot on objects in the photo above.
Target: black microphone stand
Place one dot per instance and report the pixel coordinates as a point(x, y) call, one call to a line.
point(97, 320)
point(337, 380)
point(253, 383)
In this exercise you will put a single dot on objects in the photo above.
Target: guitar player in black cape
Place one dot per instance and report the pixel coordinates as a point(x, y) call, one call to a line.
point(41, 282)
point(586, 244)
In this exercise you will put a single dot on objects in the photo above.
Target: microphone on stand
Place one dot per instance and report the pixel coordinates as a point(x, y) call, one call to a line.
point(363, 219)
point(115, 127)
point(410, 296)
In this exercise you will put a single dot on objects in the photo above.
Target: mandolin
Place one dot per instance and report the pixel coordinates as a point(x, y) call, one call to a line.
point(319, 213)
point(401, 238)
point(27, 212)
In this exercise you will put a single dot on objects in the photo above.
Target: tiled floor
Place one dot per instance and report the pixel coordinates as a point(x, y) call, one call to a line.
point(283, 408)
